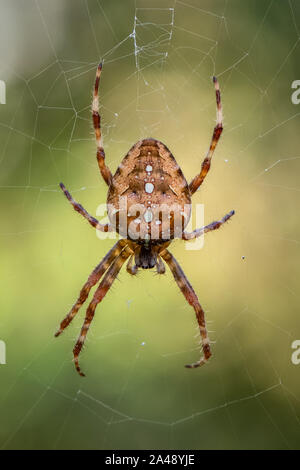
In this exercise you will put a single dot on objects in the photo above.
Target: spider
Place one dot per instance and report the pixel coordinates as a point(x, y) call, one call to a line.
point(158, 201)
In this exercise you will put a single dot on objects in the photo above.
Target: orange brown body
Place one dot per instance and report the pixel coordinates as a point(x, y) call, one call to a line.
point(149, 205)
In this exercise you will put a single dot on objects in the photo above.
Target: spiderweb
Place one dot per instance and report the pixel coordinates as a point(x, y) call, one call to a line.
point(159, 58)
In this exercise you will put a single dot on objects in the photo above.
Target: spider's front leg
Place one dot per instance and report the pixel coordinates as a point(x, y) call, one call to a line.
point(93, 278)
point(100, 293)
point(208, 228)
point(192, 299)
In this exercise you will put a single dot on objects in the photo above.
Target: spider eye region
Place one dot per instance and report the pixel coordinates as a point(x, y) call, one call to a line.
point(146, 256)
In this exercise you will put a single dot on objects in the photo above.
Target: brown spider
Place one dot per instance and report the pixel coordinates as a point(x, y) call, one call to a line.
point(148, 204)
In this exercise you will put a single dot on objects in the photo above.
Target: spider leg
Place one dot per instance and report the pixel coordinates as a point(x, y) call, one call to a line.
point(78, 207)
point(100, 293)
point(93, 278)
point(105, 171)
point(192, 299)
point(160, 267)
point(130, 268)
point(198, 180)
point(208, 228)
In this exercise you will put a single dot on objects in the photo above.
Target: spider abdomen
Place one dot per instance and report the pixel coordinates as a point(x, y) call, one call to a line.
point(149, 197)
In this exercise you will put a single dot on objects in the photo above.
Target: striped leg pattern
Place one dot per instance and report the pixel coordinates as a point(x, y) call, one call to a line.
point(105, 171)
point(208, 228)
point(93, 278)
point(78, 208)
point(100, 293)
point(192, 299)
point(198, 180)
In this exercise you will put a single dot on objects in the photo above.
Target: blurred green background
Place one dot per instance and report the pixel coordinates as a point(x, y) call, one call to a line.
point(159, 57)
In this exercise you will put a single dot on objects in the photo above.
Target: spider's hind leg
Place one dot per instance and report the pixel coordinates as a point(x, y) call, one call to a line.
point(198, 180)
point(104, 170)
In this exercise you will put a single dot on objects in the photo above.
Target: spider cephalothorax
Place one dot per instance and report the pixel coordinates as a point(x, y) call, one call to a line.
point(149, 205)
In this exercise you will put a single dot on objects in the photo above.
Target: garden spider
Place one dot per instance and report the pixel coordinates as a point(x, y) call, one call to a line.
point(157, 204)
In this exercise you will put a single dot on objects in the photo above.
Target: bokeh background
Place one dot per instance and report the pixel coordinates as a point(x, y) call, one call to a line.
point(159, 57)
